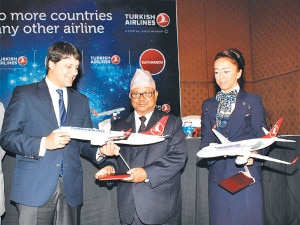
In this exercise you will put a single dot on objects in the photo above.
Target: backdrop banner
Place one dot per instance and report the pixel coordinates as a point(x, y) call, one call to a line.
point(115, 38)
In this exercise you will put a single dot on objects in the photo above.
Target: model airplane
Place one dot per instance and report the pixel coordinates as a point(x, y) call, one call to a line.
point(100, 137)
point(107, 113)
point(243, 149)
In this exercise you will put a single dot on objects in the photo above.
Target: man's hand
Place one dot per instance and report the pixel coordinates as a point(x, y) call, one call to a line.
point(250, 161)
point(105, 171)
point(109, 149)
point(57, 140)
point(137, 175)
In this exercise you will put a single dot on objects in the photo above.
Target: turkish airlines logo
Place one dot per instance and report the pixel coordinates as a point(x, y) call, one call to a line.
point(274, 131)
point(115, 59)
point(22, 60)
point(153, 61)
point(166, 108)
point(158, 129)
point(163, 20)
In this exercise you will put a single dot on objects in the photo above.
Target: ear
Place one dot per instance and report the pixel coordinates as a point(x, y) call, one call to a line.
point(51, 64)
point(239, 74)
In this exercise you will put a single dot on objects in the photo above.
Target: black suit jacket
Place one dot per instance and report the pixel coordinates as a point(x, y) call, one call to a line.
point(159, 200)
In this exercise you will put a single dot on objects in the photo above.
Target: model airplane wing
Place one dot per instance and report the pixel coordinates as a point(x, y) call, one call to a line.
point(107, 113)
point(263, 157)
point(223, 139)
point(140, 139)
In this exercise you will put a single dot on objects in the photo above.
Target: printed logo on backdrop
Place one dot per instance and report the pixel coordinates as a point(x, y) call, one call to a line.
point(163, 20)
point(22, 60)
point(146, 23)
point(165, 108)
point(104, 59)
point(12, 62)
point(153, 61)
point(115, 59)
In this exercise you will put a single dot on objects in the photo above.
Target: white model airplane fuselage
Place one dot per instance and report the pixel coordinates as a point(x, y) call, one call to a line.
point(244, 148)
point(101, 137)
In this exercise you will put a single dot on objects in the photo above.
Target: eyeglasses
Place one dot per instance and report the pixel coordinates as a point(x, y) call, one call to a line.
point(145, 94)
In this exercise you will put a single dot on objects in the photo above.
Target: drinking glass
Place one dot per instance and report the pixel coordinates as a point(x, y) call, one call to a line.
point(188, 128)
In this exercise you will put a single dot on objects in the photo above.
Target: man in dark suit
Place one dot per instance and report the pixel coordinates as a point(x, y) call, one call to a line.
point(47, 181)
point(152, 193)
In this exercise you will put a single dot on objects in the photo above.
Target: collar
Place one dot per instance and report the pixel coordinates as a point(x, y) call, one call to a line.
point(237, 88)
point(148, 115)
point(52, 86)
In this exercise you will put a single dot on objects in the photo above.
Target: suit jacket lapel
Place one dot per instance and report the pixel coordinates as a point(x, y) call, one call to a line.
point(71, 106)
point(238, 113)
point(130, 123)
point(46, 101)
point(212, 110)
point(153, 119)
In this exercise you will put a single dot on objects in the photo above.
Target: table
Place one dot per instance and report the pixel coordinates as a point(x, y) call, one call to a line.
point(281, 184)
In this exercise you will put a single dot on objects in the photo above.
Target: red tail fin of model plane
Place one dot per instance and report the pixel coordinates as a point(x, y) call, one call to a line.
point(127, 133)
point(158, 128)
point(274, 131)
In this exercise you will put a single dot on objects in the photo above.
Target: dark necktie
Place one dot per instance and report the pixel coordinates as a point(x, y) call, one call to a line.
point(62, 109)
point(63, 120)
point(143, 126)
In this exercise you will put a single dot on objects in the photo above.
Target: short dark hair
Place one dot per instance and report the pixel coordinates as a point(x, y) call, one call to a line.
point(61, 50)
point(233, 54)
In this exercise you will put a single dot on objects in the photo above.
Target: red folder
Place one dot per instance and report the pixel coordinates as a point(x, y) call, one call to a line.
point(116, 176)
point(237, 182)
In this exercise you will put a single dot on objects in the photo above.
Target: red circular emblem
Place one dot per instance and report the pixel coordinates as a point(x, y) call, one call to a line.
point(163, 19)
point(22, 60)
point(115, 59)
point(158, 129)
point(166, 108)
point(153, 61)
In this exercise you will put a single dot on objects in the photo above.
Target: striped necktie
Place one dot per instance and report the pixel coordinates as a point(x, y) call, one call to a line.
point(143, 126)
point(63, 121)
point(62, 109)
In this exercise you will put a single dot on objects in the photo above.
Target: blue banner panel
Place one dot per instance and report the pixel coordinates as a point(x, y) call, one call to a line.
point(115, 38)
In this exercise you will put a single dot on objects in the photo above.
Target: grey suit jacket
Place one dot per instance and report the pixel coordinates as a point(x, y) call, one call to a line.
point(159, 200)
point(29, 117)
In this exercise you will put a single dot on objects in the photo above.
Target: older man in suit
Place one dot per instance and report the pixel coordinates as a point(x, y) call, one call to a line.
point(47, 181)
point(152, 193)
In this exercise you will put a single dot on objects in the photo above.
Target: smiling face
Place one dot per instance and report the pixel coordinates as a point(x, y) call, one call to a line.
point(226, 73)
point(142, 104)
point(63, 72)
